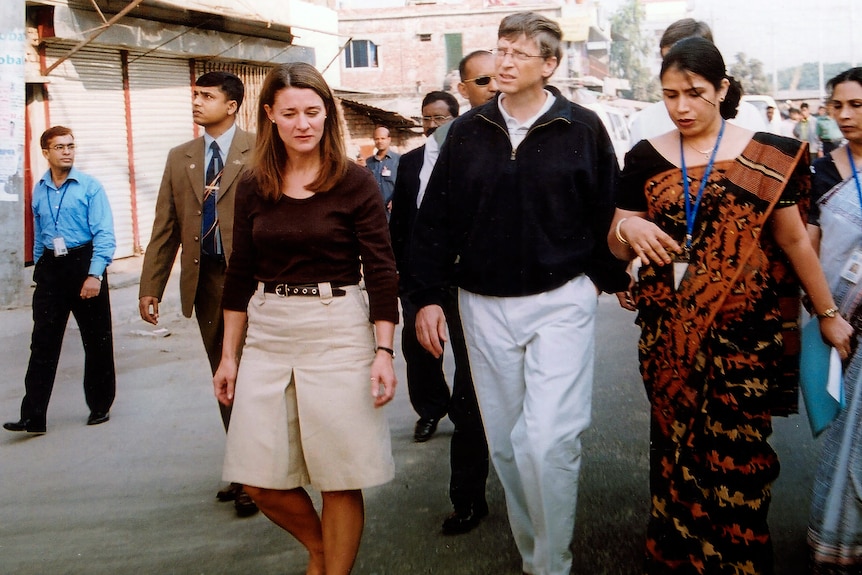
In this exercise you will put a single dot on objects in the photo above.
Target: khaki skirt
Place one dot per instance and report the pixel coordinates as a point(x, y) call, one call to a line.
point(303, 411)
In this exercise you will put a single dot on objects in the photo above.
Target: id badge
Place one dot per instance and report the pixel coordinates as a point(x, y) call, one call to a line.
point(852, 271)
point(385, 172)
point(678, 273)
point(680, 265)
point(60, 248)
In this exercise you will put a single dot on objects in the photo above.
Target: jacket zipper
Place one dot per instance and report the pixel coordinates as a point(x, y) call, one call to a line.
point(514, 153)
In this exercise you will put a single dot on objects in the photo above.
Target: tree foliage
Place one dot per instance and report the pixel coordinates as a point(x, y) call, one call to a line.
point(629, 48)
point(750, 74)
point(807, 76)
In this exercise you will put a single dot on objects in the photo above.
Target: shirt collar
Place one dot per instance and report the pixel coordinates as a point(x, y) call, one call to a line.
point(512, 124)
point(224, 141)
point(49, 181)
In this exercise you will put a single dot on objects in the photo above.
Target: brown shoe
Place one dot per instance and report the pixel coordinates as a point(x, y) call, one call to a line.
point(229, 492)
point(244, 505)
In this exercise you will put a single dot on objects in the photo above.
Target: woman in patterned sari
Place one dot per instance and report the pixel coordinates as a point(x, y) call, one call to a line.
point(835, 526)
point(710, 210)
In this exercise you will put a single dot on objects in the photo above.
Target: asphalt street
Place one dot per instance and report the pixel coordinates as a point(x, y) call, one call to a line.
point(137, 494)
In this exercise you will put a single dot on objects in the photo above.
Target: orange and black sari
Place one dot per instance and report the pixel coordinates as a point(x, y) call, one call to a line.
point(718, 354)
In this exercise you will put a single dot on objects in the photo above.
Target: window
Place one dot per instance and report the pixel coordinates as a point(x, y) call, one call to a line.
point(454, 50)
point(360, 54)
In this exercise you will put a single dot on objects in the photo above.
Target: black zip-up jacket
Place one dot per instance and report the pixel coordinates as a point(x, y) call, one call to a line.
point(502, 222)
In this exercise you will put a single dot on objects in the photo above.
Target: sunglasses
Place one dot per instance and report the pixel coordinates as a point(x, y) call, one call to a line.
point(481, 80)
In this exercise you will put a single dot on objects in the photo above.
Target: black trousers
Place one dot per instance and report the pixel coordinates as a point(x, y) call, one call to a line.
point(468, 452)
point(429, 395)
point(58, 293)
point(426, 384)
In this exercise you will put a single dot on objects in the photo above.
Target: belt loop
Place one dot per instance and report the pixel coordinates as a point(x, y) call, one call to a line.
point(325, 291)
point(261, 290)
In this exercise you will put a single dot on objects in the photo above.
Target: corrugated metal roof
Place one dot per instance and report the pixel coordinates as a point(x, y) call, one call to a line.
point(393, 120)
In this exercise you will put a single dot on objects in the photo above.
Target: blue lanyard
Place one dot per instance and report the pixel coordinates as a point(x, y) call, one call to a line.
point(56, 218)
point(855, 174)
point(691, 211)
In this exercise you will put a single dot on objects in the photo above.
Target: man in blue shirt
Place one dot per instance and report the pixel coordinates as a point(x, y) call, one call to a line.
point(73, 244)
point(384, 165)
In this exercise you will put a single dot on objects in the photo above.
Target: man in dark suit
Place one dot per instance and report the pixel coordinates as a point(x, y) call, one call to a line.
point(195, 209)
point(426, 382)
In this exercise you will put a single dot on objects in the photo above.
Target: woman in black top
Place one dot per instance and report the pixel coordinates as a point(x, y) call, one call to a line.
point(307, 223)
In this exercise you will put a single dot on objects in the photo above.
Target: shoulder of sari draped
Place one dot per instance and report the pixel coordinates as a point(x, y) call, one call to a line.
point(753, 186)
point(775, 166)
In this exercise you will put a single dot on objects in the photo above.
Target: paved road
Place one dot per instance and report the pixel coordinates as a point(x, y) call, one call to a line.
point(136, 495)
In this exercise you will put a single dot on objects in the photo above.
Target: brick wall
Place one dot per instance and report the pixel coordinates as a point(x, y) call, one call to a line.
point(407, 64)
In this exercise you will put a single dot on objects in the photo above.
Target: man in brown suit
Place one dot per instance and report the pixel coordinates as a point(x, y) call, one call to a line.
point(195, 209)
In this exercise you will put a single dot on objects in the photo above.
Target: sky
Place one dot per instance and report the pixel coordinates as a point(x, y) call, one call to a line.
point(782, 33)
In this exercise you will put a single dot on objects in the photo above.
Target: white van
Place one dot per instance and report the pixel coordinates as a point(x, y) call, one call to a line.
point(617, 126)
point(761, 102)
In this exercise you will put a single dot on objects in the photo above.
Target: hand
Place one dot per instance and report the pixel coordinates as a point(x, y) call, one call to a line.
point(383, 379)
point(431, 329)
point(148, 306)
point(837, 333)
point(626, 301)
point(648, 241)
point(91, 288)
point(224, 381)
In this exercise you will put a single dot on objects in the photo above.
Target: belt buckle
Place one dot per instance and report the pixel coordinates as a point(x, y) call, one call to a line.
point(280, 290)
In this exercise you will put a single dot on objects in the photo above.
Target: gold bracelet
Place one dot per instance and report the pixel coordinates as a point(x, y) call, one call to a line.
point(617, 233)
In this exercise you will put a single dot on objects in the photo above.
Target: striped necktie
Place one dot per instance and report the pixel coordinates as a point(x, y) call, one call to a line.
point(210, 236)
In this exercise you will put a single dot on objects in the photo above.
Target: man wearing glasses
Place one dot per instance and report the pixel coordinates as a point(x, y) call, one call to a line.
point(426, 384)
point(478, 83)
point(73, 243)
point(515, 215)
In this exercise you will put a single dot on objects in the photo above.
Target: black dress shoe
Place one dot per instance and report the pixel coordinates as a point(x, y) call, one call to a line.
point(464, 520)
point(98, 417)
point(244, 504)
point(229, 492)
point(425, 428)
point(25, 425)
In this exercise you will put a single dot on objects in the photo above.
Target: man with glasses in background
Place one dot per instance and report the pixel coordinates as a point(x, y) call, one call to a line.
point(468, 449)
point(515, 215)
point(73, 243)
point(426, 384)
point(478, 81)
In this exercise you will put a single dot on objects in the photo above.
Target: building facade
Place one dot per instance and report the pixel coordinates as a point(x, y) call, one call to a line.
point(412, 47)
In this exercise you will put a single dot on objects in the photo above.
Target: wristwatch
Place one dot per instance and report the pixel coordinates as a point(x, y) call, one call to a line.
point(831, 312)
point(95, 276)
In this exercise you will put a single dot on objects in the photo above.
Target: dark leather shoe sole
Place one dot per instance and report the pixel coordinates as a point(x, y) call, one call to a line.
point(229, 492)
point(459, 523)
point(25, 426)
point(244, 505)
point(424, 430)
point(96, 418)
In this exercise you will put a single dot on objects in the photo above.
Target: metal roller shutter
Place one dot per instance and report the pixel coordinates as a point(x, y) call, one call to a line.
point(161, 109)
point(252, 76)
point(86, 95)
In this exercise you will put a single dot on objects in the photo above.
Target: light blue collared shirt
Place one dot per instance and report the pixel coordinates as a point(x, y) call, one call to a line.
point(79, 212)
point(224, 141)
